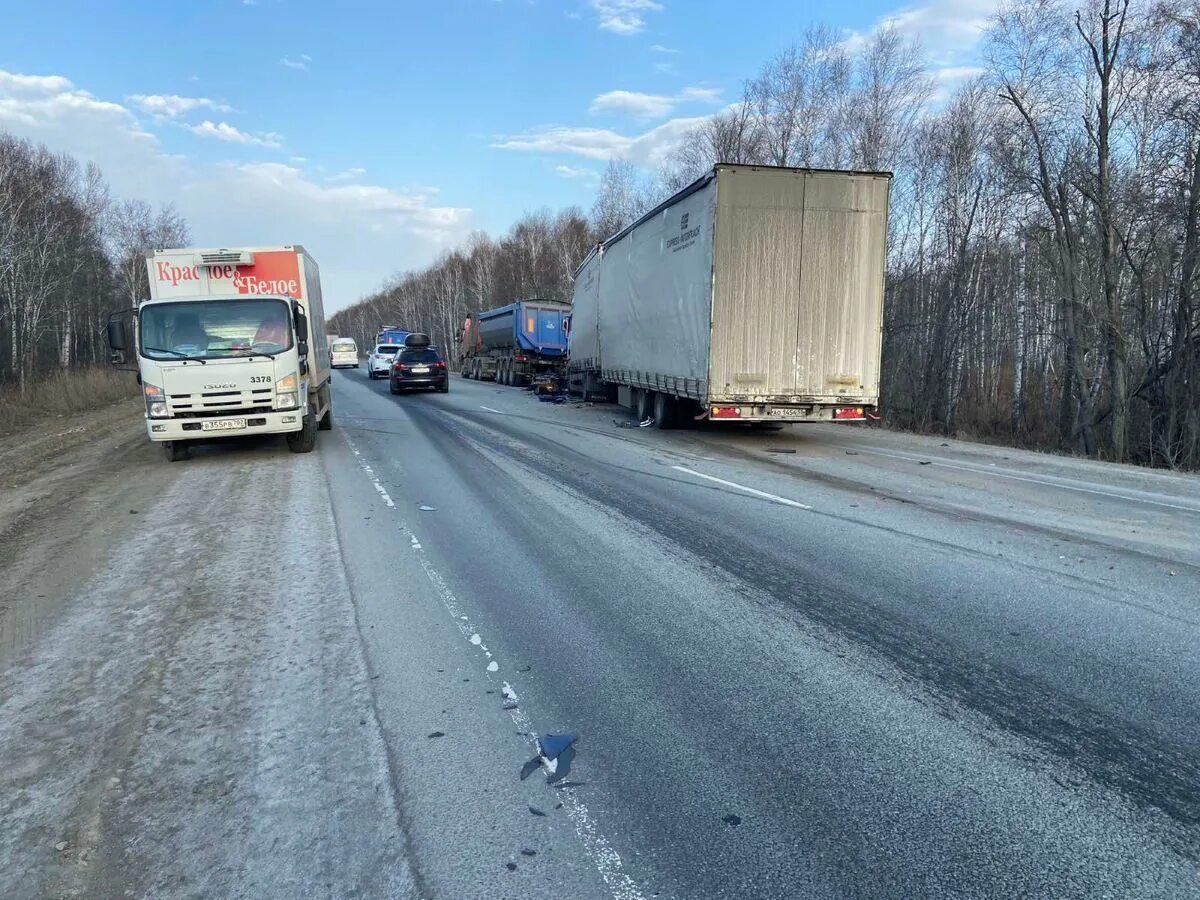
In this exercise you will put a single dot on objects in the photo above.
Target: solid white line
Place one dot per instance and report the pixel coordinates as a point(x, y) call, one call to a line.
point(987, 470)
point(606, 860)
point(489, 409)
point(741, 487)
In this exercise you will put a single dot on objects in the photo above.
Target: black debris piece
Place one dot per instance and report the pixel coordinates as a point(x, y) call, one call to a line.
point(511, 866)
point(852, 453)
point(525, 668)
point(526, 851)
point(531, 766)
point(925, 462)
point(558, 806)
point(436, 734)
point(731, 819)
point(780, 450)
point(508, 704)
point(537, 812)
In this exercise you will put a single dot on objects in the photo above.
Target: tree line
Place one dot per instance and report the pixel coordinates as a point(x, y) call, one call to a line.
point(69, 255)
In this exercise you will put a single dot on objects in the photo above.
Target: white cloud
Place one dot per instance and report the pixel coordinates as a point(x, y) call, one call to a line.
point(665, 67)
point(948, 30)
point(359, 233)
point(659, 48)
point(650, 106)
point(223, 131)
point(632, 103)
point(648, 149)
point(352, 174)
point(624, 17)
point(301, 63)
point(171, 106)
point(574, 172)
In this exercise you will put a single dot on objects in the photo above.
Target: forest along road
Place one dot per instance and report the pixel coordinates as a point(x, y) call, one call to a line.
point(826, 662)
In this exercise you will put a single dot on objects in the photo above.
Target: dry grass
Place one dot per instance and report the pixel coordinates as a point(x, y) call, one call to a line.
point(64, 393)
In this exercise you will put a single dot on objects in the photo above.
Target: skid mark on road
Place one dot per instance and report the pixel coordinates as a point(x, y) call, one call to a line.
point(599, 850)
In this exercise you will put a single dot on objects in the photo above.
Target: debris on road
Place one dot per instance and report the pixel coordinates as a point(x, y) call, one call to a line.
point(511, 866)
point(528, 851)
point(731, 819)
point(436, 734)
point(553, 745)
point(780, 450)
point(537, 812)
point(424, 508)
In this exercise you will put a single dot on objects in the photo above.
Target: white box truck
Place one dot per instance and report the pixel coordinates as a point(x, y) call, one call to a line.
point(755, 294)
point(230, 342)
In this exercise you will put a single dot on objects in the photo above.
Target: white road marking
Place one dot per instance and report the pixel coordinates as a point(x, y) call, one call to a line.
point(489, 409)
point(774, 498)
point(1045, 482)
point(606, 860)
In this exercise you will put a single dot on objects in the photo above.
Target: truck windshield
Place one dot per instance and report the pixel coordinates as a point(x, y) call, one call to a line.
point(215, 329)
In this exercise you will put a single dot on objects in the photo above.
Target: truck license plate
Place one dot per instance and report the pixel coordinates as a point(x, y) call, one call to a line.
point(223, 425)
point(777, 413)
point(420, 370)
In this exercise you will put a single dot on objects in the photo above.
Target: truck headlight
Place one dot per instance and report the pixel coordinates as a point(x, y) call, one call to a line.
point(286, 383)
point(156, 401)
point(286, 400)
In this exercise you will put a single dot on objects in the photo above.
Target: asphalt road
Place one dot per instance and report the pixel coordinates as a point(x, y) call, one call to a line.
point(877, 666)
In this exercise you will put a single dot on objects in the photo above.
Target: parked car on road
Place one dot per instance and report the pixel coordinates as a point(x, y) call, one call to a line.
point(419, 368)
point(379, 363)
point(343, 354)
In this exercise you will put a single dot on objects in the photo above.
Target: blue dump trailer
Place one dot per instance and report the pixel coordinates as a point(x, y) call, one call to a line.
point(515, 343)
point(391, 334)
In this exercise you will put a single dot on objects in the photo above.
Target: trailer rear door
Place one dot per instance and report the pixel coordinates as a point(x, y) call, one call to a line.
point(798, 286)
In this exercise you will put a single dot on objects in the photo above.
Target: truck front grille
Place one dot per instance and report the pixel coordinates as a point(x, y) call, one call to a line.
point(219, 403)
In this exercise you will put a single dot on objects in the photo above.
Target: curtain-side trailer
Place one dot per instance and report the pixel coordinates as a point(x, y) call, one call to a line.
point(754, 294)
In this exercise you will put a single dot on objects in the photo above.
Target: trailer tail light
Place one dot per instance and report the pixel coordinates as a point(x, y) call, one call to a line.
point(849, 414)
point(726, 412)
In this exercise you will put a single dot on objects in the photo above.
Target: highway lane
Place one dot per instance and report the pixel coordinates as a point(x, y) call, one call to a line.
point(824, 662)
point(879, 666)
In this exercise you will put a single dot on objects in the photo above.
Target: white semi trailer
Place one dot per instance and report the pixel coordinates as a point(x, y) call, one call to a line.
point(755, 294)
point(230, 342)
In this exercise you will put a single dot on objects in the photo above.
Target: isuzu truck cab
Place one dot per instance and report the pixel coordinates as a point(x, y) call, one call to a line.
point(230, 342)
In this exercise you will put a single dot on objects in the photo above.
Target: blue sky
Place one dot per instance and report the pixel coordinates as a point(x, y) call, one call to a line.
point(379, 134)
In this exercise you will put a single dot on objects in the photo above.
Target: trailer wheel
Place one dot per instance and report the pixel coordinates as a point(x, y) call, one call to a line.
point(642, 404)
point(664, 411)
point(304, 440)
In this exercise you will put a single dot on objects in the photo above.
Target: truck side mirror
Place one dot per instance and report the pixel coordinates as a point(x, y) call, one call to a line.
point(117, 339)
point(301, 329)
point(120, 340)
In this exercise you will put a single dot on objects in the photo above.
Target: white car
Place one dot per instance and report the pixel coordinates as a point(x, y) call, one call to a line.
point(343, 353)
point(379, 363)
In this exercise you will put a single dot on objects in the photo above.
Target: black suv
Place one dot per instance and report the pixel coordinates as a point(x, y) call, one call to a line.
point(419, 367)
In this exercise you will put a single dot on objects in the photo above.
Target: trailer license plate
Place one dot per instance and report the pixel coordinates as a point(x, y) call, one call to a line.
point(223, 425)
point(420, 370)
point(776, 413)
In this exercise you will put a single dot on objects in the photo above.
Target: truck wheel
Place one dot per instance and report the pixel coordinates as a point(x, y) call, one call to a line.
point(176, 451)
point(642, 404)
point(326, 423)
point(304, 440)
point(664, 411)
